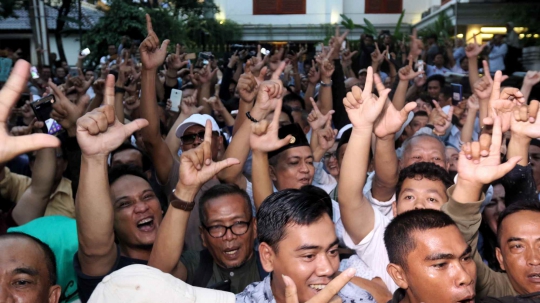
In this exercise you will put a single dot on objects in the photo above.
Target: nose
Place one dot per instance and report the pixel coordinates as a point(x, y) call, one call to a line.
point(533, 257)
point(141, 207)
point(324, 267)
point(304, 168)
point(463, 276)
point(229, 236)
point(500, 207)
point(419, 205)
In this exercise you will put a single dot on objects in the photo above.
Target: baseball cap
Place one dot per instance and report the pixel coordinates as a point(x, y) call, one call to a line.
point(342, 130)
point(196, 119)
point(145, 284)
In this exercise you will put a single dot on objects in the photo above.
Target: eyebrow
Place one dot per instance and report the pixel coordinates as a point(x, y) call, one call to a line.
point(313, 246)
point(431, 191)
point(512, 239)
point(26, 270)
point(448, 256)
point(125, 197)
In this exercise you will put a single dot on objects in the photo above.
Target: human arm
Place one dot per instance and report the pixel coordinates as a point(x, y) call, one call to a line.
point(188, 107)
point(450, 54)
point(175, 62)
point(531, 79)
point(406, 74)
point(152, 56)
point(98, 133)
point(472, 51)
point(363, 108)
point(196, 168)
point(327, 68)
point(313, 78)
point(218, 107)
point(340, 118)
point(468, 128)
point(204, 83)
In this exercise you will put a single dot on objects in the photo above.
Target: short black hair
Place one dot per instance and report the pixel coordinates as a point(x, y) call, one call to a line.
point(438, 78)
point(512, 209)
point(288, 207)
point(50, 259)
point(294, 97)
point(119, 171)
point(421, 113)
point(287, 110)
point(423, 170)
point(398, 237)
point(345, 137)
point(427, 99)
point(221, 190)
point(146, 162)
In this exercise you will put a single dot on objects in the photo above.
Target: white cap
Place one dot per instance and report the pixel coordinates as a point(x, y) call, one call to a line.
point(196, 119)
point(145, 284)
point(342, 130)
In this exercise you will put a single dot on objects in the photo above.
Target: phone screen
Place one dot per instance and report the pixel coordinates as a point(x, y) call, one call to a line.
point(85, 52)
point(42, 109)
point(457, 93)
point(73, 72)
point(34, 72)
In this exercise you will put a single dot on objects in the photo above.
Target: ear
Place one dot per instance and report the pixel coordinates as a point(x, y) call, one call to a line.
point(54, 293)
point(500, 258)
point(203, 237)
point(272, 173)
point(267, 256)
point(398, 275)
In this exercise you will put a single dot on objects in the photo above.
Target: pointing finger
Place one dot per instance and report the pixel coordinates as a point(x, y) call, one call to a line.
point(149, 24)
point(109, 91)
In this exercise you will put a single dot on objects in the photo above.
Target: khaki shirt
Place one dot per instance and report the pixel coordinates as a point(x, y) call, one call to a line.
point(61, 201)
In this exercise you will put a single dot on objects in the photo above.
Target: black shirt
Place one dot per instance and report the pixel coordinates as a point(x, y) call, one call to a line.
point(87, 284)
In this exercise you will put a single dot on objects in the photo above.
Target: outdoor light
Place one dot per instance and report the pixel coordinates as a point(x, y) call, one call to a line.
point(536, 35)
point(493, 30)
point(460, 36)
point(486, 36)
point(221, 22)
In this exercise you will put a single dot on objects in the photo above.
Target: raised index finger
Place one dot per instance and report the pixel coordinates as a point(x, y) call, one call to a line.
point(333, 288)
point(278, 71)
point(496, 90)
point(208, 131)
point(149, 24)
point(14, 87)
point(109, 90)
point(368, 87)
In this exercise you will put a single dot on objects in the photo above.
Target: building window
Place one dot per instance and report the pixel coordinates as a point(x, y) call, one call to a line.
point(279, 7)
point(384, 6)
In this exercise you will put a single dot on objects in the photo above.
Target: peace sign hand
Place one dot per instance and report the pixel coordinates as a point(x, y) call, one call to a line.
point(152, 55)
point(10, 93)
point(407, 73)
point(316, 119)
point(197, 166)
point(264, 135)
point(99, 132)
point(326, 295)
point(474, 49)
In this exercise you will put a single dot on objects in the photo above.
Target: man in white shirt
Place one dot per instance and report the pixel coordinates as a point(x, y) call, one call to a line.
point(497, 52)
point(438, 67)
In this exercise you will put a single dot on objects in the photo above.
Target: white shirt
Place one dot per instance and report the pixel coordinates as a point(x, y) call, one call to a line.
point(433, 70)
point(496, 57)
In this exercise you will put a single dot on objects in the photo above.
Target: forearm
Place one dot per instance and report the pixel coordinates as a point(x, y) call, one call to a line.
point(261, 172)
point(340, 117)
point(484, 111)
point(172, 141)
point(310, 93)
point(224, 93)
point(227, 117)
point(119, 106)
point(159, 90)
point(473, 71)
point(237, 72)
point(399, 96)
point(297, 82)
point(325, 98)
point(386, 169)
point(169, 242)
point(95, 103)
point(94, 208)
point(450, 55)
point(243, 107)
point(204, 93)
point(393, 72)
point(468, 127)
point(526, 91)
point(352, 178)
point(411, 92)
point(519, 146)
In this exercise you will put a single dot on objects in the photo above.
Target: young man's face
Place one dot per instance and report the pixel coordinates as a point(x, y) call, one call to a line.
point(519, 252)
point(137, 212)
point(421, 194)
point(439, 269)
point(308, 254)
point(294, 168)
point(24, 276)
point(230, 250)
point(434, 89)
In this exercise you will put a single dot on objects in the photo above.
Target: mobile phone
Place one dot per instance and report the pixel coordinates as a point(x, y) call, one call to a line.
point(73, 72)
point(191, 56)
point(85, 52)
point(420, 67)
point(42, 110)
point(457, 93)
point(34, 72)
point(205, 62)
point(176, 99)
point(343, 45)
point(22, 100)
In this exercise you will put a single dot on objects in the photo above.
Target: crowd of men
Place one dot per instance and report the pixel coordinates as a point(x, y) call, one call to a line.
point(281, 177)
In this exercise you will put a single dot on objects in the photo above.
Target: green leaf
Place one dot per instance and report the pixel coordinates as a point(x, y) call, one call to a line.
point(370, 28)
point(397, 30)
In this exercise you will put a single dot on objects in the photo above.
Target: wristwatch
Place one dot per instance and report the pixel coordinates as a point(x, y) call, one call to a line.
point(180, 204)
point(327, 84)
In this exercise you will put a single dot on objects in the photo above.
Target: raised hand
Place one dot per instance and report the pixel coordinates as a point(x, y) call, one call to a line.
point(275, 59)
point(313, 75)
point(526, 121)
point(416, 45)
point(64, 111)
point(189, 107)
point(196, 165)
point(531, 78)
point(377, 56)
point(257, 63)
point(473, 103)
point(324, 296)
point(337, 41)
point(270, 91)
point(152, 55)
point(390, 120)
point(215, 103)
point(474, 49)
point(99, 132)
point(504, 102)
point(175, 61)
point(264, 135)
point(479, 171)
point(10, 147)
point(327, 135)
point(407, 73)
point(206, 74)
point(440, 120)
point(248, 83)
point(132, 102)
point(363, 108)
point(99, 87)
point(316, 119)
point(26, 129)
point(233, 60)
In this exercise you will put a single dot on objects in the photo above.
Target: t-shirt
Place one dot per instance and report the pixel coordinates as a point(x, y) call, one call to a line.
point(434, 70)
point(60, 233)
point(192, 239)
point(240, 277)
point(87, 284)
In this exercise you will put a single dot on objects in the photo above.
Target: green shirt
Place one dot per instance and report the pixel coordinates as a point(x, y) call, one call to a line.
point(240, 277)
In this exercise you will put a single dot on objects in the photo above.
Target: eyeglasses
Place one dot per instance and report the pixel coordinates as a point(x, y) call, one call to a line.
point(190, 138)
point(328, 156)
point(218, 231)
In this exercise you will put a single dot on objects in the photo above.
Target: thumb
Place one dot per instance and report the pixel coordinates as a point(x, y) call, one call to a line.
point(284, 141)
point(134, 126)
point(506, 167)
point(291, 295)
point(221, 165)
point(33, 142)
point(165, 44)
point(408, 108)
point(450, 113)
point(199, 109)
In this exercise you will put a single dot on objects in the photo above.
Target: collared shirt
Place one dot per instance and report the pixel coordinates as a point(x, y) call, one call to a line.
point(61, 201)
point(496, 57)
point(433, 70)
point(261, 292)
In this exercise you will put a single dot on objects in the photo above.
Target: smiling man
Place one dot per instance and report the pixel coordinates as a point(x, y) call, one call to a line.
point(297, 239)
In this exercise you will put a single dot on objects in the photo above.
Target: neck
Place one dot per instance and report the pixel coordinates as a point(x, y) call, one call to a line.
point(136, 252)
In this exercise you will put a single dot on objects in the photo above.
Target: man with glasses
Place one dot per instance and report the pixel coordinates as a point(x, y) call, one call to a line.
point(228, 230)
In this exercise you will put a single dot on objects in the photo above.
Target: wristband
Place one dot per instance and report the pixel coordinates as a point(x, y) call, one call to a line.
point(118, 89)
point(180, 204)
point(430, 126)
point(248, 115)
point(327, 84)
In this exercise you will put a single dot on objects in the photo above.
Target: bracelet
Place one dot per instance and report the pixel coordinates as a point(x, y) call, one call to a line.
point(248, 115)
point(180, 204)
point(430, 126)
point(118, 89)
point(327, 84)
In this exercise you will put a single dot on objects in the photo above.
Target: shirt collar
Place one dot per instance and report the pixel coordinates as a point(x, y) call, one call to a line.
point(63, 187)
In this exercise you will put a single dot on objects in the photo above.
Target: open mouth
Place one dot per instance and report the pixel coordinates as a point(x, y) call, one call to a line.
point(231, 253)
point(534, 277)
point(146, 224)
point(304, 181)
point(469, 299)
point(317, 287)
